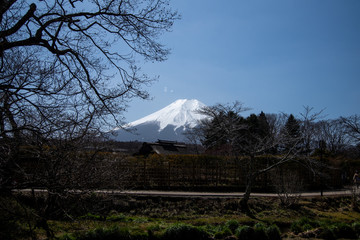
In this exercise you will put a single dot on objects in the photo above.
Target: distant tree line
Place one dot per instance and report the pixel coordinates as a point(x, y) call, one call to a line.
point(227, 132)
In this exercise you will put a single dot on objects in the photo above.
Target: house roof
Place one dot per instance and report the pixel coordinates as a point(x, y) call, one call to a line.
point(163, 147)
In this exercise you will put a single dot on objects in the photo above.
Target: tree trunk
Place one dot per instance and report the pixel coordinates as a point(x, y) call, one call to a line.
point(244, 201)
point(249, 182)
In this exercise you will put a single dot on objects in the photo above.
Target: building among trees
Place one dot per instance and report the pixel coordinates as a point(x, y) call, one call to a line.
point(164, 147)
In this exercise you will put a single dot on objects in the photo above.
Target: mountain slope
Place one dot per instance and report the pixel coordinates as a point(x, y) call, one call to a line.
point(168, 123)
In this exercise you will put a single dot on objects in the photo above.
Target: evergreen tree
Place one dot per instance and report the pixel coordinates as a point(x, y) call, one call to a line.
point(222, 131)
point(292, 127)
point(214, 132)
point(251, 133)
point(264, 127)
point(291, 133)
point(253, 123)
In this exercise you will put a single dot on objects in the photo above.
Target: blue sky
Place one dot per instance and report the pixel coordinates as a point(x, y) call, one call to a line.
point(272, 55)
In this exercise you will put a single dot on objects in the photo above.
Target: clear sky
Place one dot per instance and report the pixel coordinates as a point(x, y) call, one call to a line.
point(272, 55)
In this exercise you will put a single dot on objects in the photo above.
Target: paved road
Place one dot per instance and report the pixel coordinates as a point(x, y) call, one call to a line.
point(343, 192)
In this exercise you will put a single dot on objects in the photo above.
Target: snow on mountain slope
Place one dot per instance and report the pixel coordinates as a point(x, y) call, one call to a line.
point(180, 113)
point(168, 123)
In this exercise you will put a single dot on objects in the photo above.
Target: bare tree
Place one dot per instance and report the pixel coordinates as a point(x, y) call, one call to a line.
point(75, 60)
point(288, 186)
point(352, 126)
point(333, 134)
point(253, 137)
point(68, 68)
point(308, 120)
point(67, 72)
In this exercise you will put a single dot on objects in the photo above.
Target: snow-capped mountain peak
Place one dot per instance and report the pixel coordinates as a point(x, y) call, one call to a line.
point(182, 112)
point(169, 123)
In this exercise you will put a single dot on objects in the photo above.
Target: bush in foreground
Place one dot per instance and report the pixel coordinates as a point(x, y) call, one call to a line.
point(343, 230)
point(325, 230)
point(245, 233)
point(183, 231)
point(303, 224)
point(356, 227)
point(273, 232)
point(113, 233)
point(232, 225)
point(259, 231)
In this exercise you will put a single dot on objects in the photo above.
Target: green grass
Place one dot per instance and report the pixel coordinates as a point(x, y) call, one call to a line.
point(162, 229)
point(328, 218)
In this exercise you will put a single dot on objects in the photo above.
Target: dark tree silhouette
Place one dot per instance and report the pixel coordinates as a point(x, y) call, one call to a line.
point(252, 139)
point(352, 126)
point(67, 72)
point(68, 68)
point(67, 65)
point(291, 132)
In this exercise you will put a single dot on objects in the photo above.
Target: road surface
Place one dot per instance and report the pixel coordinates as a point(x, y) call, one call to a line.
point(189, 194)
point(229, 194)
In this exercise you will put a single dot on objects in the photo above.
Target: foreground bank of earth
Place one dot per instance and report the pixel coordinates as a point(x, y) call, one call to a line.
point(216, 218)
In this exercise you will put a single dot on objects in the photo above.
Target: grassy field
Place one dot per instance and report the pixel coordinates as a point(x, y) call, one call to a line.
point(129, 217)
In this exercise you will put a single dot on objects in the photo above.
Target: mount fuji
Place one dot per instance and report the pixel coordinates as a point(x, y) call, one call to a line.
point(169, 123)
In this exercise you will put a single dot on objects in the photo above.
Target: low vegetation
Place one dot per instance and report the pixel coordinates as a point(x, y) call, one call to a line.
point(192, 218)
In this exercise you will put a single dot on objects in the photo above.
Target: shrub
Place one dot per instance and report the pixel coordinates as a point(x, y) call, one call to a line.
point(309, 222)
point(259, 231)
point(356, 227)
point(296, 228)
point(140, 220)
point(273, 232)
point(212, 229)
point(153, 235)
point(343, 230)
point(154, 228)
point(182, 231)
point(306, 227)
point(326, 233)
point(223, 234)
point(114, 233)
point(91, 216)
point(140, 235)
point(340, 230)
point(232, 225)
point(67, 237)
point(116, 218)
point(245, 233)
point(303, 224)
point(10, 229)
point(154, 231)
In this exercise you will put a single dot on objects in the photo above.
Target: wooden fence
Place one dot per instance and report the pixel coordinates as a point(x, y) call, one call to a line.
point(114, 170)
point(199, 171)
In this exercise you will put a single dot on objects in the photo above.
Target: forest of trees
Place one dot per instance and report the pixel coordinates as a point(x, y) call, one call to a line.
point(282, 138)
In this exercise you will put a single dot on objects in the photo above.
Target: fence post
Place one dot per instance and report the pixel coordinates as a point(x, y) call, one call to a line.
point(169, 173)
point(144, 173)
